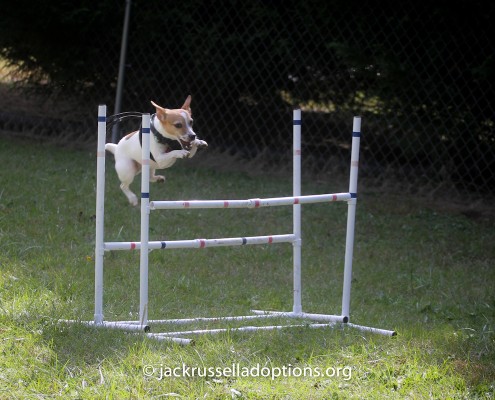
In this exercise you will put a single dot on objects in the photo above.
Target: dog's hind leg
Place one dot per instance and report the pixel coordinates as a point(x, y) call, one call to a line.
point(133, 200)
point(126, 170)
point(156, 178)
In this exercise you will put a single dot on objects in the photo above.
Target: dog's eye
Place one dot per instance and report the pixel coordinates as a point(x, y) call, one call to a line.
point(178, 125)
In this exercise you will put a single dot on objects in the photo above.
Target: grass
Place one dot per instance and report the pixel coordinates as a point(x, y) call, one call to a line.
point(426, 273)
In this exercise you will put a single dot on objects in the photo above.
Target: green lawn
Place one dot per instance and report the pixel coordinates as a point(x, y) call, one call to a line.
point(427, 273)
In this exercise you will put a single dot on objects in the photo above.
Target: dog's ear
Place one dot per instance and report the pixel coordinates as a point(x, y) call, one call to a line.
point(160, 111)
point(158, 107)
point(187, 105)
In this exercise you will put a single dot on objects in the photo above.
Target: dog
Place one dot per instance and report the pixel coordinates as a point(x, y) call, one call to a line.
point(172, 137)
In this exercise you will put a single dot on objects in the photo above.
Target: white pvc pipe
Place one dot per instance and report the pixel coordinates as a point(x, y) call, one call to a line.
point(100, 213)
point(351, 217)
point(184, 321)
point(296, 212)
point(295, 238)
point(378, 331)
point(145, 198)
point(181, 341)
point(258, 314)
point(201, 243)
point(125, 325)
point(302, 315)
point(249, 203)
point(240, 329)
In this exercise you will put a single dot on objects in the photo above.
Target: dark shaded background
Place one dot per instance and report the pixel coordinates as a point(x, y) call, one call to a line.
point(421, 75)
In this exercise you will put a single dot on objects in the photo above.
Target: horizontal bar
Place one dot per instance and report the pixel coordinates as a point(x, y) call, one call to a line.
point(259, 314)
point(303, 315)
point(129, 326)
point(125, 325)
point(182, 341)
point(250, 203)
point(378, 331)
point(240, 329)
point(201, 243)
point(183, 321)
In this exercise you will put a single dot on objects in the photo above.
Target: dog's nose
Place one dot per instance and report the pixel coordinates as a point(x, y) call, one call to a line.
point(192, 136)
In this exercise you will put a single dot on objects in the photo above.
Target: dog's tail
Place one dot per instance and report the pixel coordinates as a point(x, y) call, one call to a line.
point(111, 147)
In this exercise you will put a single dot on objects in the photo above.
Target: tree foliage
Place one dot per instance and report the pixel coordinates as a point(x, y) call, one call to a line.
point(66, 42)
point(61, 41)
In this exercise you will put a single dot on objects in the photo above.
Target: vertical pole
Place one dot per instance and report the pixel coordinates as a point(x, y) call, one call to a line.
point(120, 79)
point(145, 199)
point(351, 218)
point(100, 213)
point(296, 210)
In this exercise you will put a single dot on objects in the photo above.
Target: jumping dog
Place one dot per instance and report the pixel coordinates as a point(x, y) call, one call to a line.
point(172, 137)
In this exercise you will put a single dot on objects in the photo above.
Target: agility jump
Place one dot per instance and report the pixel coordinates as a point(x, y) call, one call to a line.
point(144, 245)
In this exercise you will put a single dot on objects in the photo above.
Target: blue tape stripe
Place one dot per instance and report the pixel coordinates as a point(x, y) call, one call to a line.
point(145, 195)
point(356, 134)
point(102, 118)
point(164, 244)
point(353, 195)
point(297, 122)
point(146, 130)
point(244, 241)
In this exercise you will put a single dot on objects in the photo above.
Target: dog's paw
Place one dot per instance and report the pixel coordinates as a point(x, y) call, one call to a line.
point(159, 178)
point(182, 154)
point(133, 200)
point(200, 143)
point(174, 154)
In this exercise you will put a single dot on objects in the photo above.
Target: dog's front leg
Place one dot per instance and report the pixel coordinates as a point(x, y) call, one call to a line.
point(179, 153)
point(166, 160)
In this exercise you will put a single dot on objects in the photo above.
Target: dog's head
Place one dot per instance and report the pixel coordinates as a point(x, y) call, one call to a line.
point(176, 124)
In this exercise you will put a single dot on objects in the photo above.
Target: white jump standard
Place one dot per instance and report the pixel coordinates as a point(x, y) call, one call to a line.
point(144, 245)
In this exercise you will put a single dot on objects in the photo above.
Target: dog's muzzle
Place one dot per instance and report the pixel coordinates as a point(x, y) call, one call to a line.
point(186, 144)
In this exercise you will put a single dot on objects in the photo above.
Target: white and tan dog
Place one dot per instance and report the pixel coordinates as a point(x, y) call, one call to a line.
point(172, 137)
